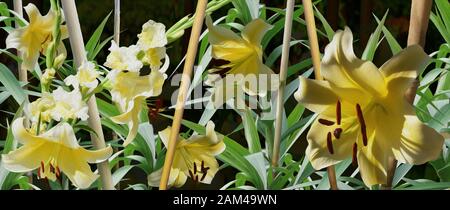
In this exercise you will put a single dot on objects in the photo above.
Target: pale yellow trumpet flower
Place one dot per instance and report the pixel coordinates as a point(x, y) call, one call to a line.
point(53, 152)
point(362, 111)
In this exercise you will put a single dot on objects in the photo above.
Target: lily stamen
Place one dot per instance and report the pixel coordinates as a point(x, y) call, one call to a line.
point(195, 168)
point(329, 143)
point(338, 112)
point(337, 132)
point(354, 158)
point(42, 166)
point(326, 122)
point(58, 172)
point(362, 124)
point(203, 177)
point(191, 174)
point(52, 169)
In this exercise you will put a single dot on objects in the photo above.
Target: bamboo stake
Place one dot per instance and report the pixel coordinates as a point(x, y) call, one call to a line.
point(79, 54)
point(312, 36)
point(18, 8)
point(23, 74)
point(184, 86)
point(283, 71)
point(117, 21)
point(117, 41)
point(315, 55)
point(418, 25)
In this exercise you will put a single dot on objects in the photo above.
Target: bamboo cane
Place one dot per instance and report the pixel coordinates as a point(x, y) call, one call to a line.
point(418, 25)
point(283, 71)
point(22, 71)
point(79, 54)
point(184, 86)
point(117, 41)
point(117, 21)
point(23, 74)
point(315, 55)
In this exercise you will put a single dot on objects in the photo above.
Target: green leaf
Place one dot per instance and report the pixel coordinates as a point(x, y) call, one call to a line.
point(393, 44)
point(243, 11)
point(12, 85)
point(328, 30)
point(400, 172)
point(372, 44)
point(118, 175)
point(276, 53)
point(251, 132)
point(95, 38)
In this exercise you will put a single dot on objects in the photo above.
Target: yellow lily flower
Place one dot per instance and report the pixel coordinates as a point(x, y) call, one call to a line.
point(153, 35)
point(194, 157)
point(363, 114)
point(59, 105)
point(35, 36)
point(123, 58)
point(52, 153)
point(129, 91)
point(241, 55)
point(152, 41)
point(86, 77)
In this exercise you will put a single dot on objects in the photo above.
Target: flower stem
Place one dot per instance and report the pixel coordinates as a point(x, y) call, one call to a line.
point(418, 25)
point(315, 55)
point(184, 86)
point(282, 76)
point(79, 54)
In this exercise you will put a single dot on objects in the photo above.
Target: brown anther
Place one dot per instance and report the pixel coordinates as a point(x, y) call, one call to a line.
point(195, 179)
point(203, 164)
point(329, 143)
point(362, 124)
point(195, 168)
point(58, 172)
point(354, 158)
point(337, 132)
point(42, 166)
point(338, 112)
point(52, 169)
point(203, 177)
point(326, 122)
point(191, 174)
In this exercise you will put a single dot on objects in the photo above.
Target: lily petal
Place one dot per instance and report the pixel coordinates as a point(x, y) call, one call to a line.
point(373, 161)
point(419, 143)
point(165, 135)
point(130, 117)
point(95, 156)
point(76, 169)
point(343, 69)
point(218, 35)
point(21, 134)
point(255, 31)
point(402, 69)
point(153, 35)
point(27, 157)
point(315, 95)
point(318, 151)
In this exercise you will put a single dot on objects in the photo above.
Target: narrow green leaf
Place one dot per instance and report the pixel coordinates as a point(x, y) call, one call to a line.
point(12, 85)
point(374, 39)
point(251, 132)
